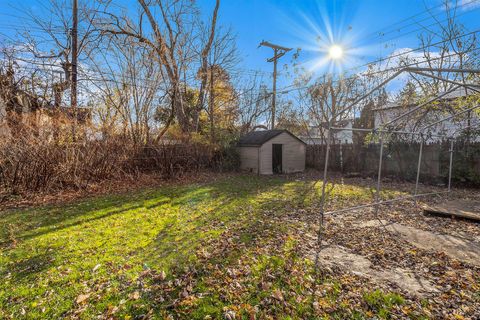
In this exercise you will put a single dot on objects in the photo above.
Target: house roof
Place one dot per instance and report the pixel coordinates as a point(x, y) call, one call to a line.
point(457, 93)
point(258, 138)
point(341, 123)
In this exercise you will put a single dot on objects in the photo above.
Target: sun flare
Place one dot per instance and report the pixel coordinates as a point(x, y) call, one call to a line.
point(335, 52)
point(329, 43)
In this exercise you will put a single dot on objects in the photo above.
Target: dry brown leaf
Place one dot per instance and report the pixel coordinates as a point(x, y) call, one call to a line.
point(277, 294)
point(82, 298)
point(135, 295)
point(162, 275)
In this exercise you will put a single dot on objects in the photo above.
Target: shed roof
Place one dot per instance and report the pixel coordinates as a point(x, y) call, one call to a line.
point(258, 138)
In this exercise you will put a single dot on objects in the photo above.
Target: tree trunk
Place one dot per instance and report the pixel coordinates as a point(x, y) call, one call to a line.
point(212, 106)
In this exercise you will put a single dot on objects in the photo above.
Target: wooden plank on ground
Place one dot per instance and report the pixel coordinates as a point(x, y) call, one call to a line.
point(468, 209)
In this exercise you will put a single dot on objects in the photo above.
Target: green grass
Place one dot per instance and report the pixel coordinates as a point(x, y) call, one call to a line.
point(382, 303)
point(98, 250)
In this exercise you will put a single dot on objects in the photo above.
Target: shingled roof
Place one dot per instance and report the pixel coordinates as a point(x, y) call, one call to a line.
point(258, 138)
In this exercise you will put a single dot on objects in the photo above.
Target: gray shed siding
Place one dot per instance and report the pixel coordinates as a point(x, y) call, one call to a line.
point(249, 159)
point(293, 156)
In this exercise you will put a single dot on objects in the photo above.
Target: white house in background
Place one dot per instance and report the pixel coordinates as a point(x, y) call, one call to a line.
point(271, 151)
point(314, 136)
point(392, 110)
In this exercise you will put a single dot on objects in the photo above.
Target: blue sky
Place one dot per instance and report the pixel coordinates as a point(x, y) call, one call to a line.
point(309, 25)
point(356, 24)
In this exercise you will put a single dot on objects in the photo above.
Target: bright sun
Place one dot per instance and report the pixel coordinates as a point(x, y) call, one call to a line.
point(335, 52)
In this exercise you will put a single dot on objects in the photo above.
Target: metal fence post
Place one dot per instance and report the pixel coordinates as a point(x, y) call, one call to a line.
point(322, 202)
point(379, 176)
point(325, 171)
point(419, 166)
point(450, 166)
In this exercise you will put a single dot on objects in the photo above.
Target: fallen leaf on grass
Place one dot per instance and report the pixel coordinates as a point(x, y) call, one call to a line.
point(112, 310)
point(277, 294)
point(82, 298)
point(229, 315)
point(162, 275)
point(135, 295)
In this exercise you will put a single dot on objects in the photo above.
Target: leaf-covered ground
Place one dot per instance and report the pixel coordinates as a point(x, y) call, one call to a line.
point(238, 247)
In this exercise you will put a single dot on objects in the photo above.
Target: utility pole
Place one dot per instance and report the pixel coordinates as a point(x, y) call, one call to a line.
point(73, 94)
point(278, 52)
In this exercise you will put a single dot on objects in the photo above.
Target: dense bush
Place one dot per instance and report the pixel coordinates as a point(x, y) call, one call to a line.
point(227, 158)
point(30, 164)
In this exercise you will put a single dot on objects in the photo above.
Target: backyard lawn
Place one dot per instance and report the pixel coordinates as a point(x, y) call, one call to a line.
point(224, 249)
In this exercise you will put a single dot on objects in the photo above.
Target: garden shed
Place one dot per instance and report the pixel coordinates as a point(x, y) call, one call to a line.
point(272, 151)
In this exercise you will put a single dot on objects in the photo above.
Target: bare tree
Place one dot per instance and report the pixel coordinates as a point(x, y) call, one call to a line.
point(129, 87)
point(223, 57)
point(174, 33)
point(44, 48)
point(254, 105)
point(447, 44)
point(328, 102)
point(204, 65)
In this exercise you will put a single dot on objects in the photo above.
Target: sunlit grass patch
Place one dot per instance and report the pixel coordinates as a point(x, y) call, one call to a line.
point(381, 303)
point(342, 195)
point(96, 248)
point(132, 254)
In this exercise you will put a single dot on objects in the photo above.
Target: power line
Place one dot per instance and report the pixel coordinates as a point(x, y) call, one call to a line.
point(458, 5)
point(426, 27)
point(282, 90)
point(405, 53)
point(415, 49)
point(356, 68)
point(395, 55)
point(104, 73)
point(396, 68)
point(91, 78)
point(382, 33)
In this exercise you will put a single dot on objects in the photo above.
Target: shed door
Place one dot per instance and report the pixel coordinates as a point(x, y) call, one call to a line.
point(277, 158)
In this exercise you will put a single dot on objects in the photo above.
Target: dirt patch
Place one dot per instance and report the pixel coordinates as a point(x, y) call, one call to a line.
point(360, 246)
point(334, 255)
point(456, 247)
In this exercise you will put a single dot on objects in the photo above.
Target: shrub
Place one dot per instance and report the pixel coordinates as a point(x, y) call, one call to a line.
point(227, 158)
point(30, 164)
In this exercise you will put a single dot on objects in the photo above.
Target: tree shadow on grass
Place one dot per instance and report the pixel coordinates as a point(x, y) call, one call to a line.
point(236, 230)
point(29, 267)
point(34, 222)
point(242, 237)
point(239, 238)
point(194, 216)
point(233, 213)
point(88, 220)
point(206, 214)
point(55, 228)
